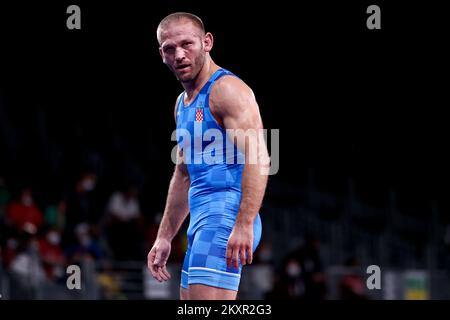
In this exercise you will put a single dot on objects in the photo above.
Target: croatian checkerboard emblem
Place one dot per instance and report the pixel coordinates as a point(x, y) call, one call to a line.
point(199, 115)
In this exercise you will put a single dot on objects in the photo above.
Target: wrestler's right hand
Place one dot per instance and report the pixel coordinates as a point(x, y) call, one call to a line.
point(157, 259)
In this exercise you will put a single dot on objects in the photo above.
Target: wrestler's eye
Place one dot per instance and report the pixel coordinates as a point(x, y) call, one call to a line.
point(168, 49)
point(187, 44)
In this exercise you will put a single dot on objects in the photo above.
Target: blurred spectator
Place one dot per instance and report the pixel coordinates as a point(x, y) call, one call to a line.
point(260, 276)
point(296, 285)
point(263, 254)
point(79, 207)
point(109, 283)
point(52, 255)
point(4, 198)
point(352, 284)
point(288, 281)
point(55, 215)
point(10, 250)
point(25, 268)
point(313, 273)
point(302, 275)
point(23, 214)
point(86, 246)
point(125, 224)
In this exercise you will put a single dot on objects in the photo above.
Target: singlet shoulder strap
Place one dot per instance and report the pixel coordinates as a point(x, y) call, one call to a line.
point(206, 90)
point(217, 77)
point(179, 104)
point(180, 99)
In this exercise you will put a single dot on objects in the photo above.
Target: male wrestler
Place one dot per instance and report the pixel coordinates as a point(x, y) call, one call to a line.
point(224, 196)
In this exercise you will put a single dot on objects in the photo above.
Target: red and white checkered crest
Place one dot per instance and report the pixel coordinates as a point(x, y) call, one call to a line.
point(199, 115)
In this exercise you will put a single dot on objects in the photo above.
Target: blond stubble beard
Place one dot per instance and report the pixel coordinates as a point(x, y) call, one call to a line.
point(199, 61)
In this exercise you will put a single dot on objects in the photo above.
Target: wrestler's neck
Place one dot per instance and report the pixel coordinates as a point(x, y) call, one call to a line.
point(194, 86)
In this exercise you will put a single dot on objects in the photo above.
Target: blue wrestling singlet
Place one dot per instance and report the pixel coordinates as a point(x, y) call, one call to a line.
point(215, 168)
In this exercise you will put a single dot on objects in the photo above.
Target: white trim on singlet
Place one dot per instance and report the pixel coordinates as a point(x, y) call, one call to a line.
point(214, 270)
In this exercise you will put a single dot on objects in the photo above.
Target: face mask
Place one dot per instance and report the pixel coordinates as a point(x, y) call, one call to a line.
point(265, 255)
point(27, 201)
point(85, 240)
point(293, 269)
point(29, 228)
point(88, 184)
point(53, 238)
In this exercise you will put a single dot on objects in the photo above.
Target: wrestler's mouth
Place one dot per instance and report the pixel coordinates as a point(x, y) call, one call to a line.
point(183, 67)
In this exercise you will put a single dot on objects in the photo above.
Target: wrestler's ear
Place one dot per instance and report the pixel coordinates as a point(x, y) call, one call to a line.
point(162, 55)
point(208, 41)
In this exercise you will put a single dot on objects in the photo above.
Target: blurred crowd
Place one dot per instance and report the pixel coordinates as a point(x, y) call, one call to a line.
point(40, 241)
point(301, 275)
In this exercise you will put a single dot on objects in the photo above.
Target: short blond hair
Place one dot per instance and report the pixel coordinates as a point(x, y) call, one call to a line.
point(178, 16)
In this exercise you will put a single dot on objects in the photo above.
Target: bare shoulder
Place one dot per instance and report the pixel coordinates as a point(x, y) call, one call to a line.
point(230, 94)
point(231, 83)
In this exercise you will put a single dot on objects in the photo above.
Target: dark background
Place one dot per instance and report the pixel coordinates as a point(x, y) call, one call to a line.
point(349, 102)
point(361, 115)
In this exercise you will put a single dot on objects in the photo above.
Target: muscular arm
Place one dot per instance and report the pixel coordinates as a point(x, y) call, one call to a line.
point(177, 208)
point(234, 105)
point(175, 213)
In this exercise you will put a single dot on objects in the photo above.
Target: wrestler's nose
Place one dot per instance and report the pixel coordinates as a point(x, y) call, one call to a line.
point(179, 55)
